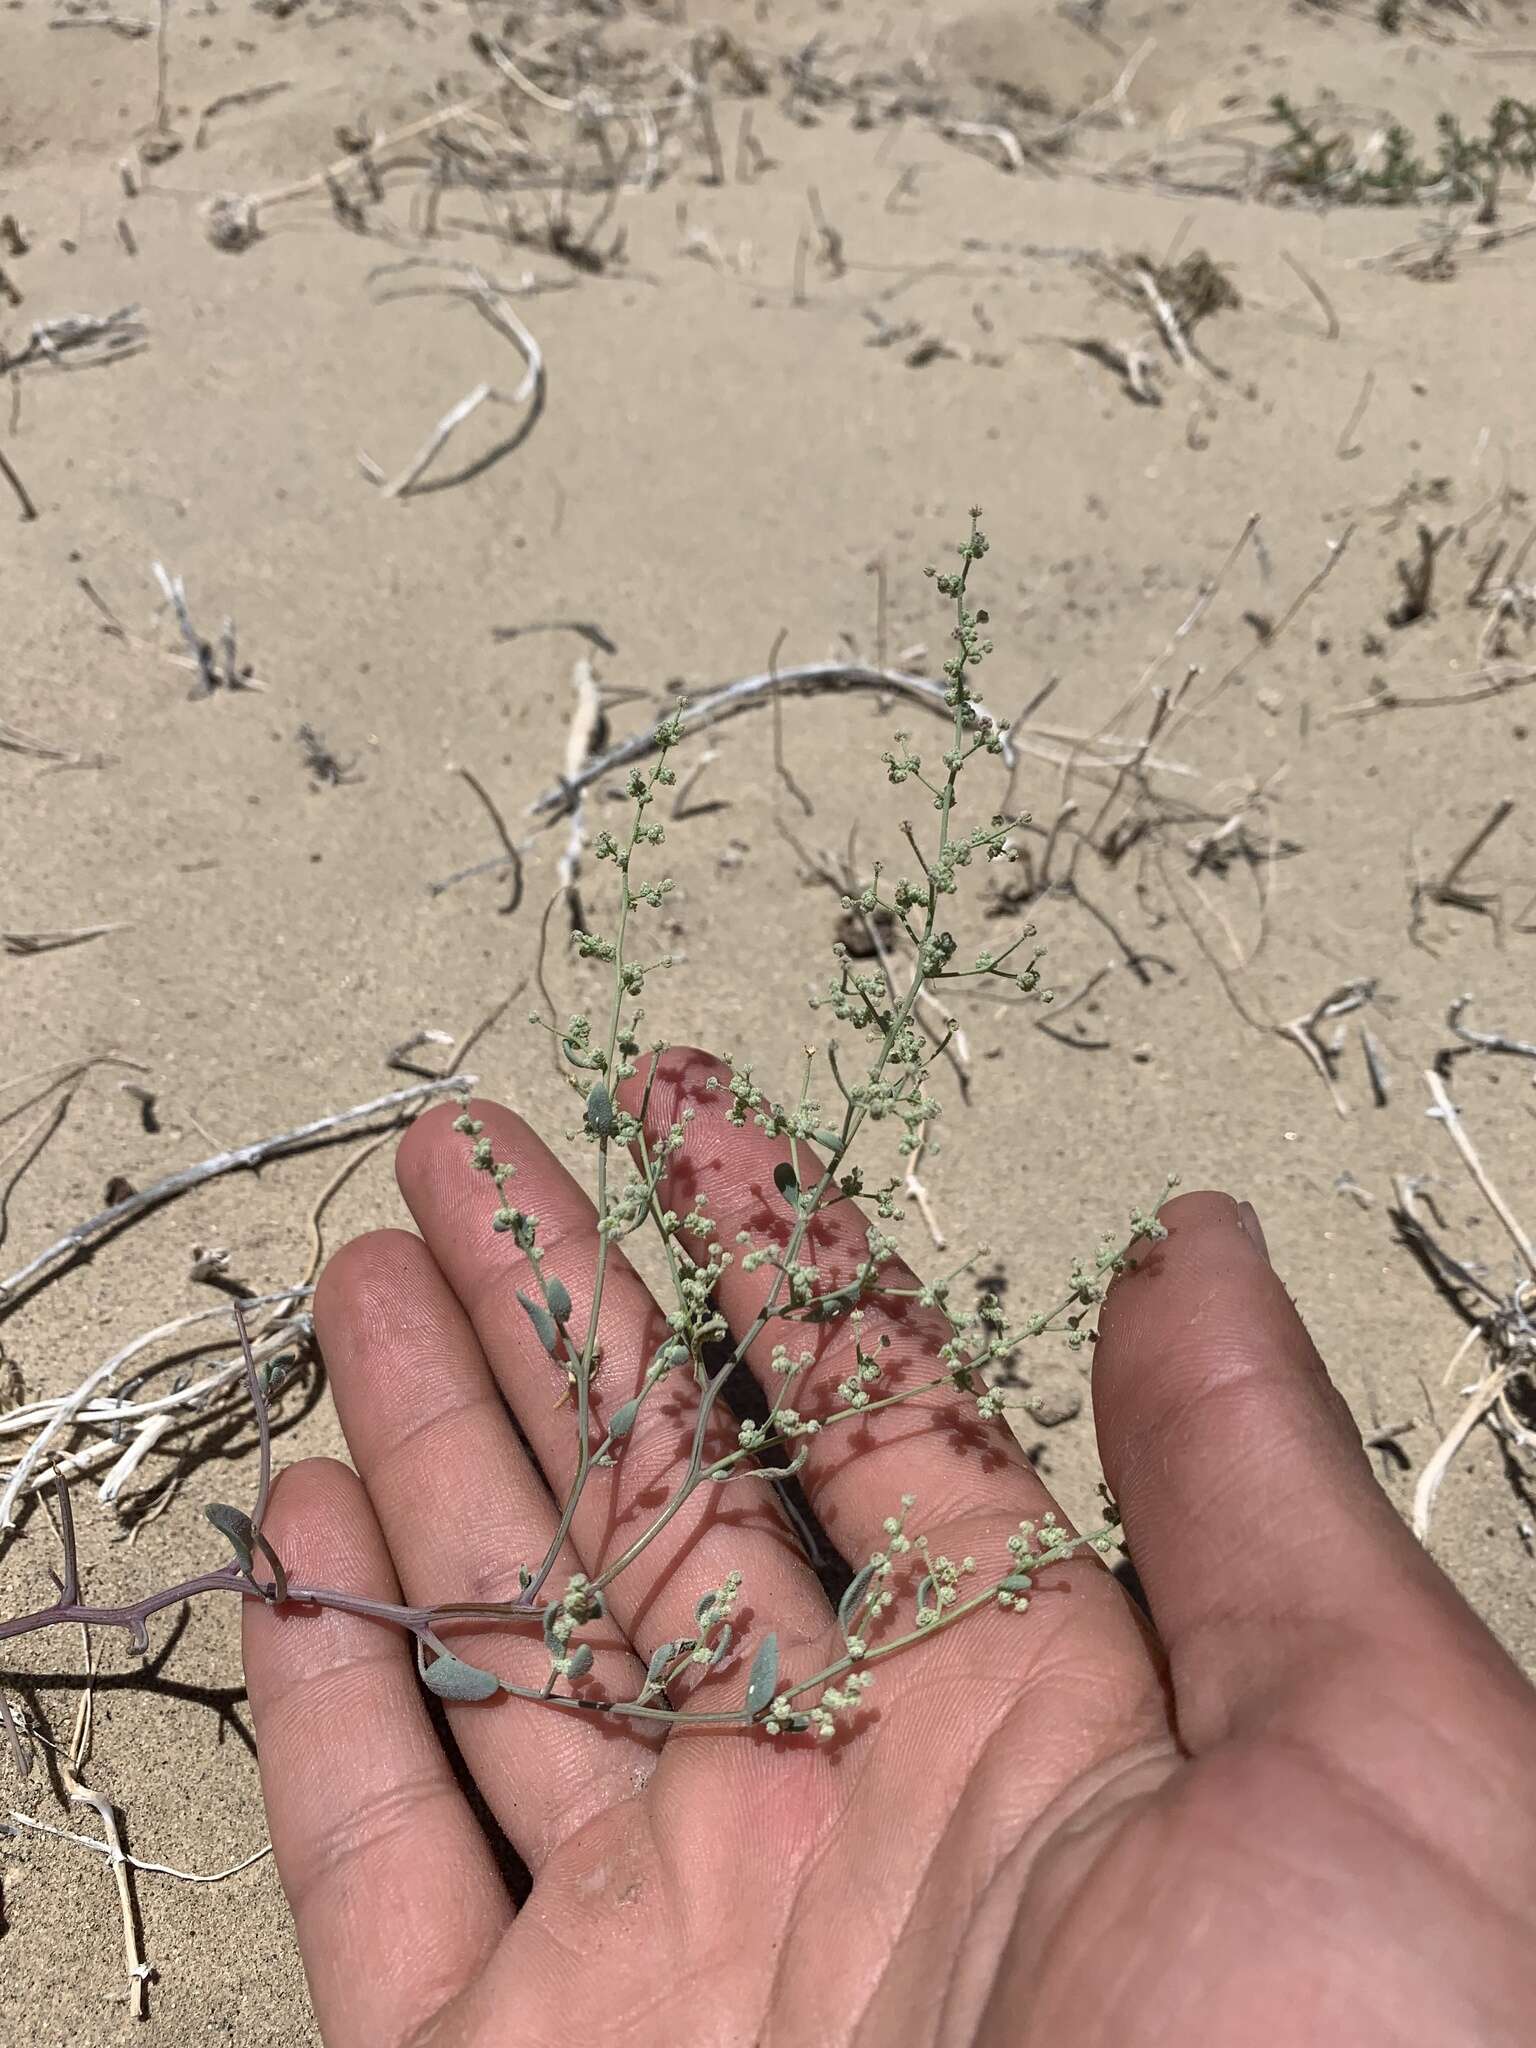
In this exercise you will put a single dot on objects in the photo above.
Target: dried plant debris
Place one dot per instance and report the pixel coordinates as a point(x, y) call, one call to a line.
point(1451, 890)
point(493, 304)
point(1416, 574)
point(78, 341)
point(217, 667)
point(1499, 1311)
point(55, 939)
point(327, 769)
point(1179, 296)
point(1478, 1041)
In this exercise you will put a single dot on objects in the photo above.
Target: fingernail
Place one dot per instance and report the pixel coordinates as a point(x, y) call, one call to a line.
point(1248, 1217)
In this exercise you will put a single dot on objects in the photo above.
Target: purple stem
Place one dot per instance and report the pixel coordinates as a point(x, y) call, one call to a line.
point(69, 1585)
point(232, 1579)
point(263, 1420)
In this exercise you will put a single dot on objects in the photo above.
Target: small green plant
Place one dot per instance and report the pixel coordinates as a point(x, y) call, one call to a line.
point(1389, 169)
point(876, 1075)
point(1310, 161)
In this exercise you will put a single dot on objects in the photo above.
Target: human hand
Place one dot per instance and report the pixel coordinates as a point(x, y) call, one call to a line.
point(1304, 1811)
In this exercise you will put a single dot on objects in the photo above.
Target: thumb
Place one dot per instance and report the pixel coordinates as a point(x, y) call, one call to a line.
point(1254, 1520)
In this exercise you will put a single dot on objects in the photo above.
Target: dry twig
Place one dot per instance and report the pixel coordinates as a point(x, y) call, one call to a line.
point(511, 853)
point(1304, 1032)
point(23, 495)
point(215, 671)
point(745, 695)
point(131, 1207)
point(56, 939)
point(1325, 304)
point(582, 735)
point(246, 96)
point(1448, 1115)
point(14, 741)
point(1485, 1041)
point(94, 1405)
point(1504, 1324)
point(1416, 573)
point(80, 341)
point(491, 302)
point(1449, 892)
point(1347, 447)
point(1479, 1401)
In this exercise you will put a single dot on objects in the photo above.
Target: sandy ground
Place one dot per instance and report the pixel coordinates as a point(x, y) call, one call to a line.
point(749, 432)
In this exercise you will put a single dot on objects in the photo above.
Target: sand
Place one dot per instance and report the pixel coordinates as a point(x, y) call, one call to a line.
point(749, 431)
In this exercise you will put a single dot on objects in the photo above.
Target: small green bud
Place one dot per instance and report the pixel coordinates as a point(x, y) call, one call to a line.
point(600, 1117)
point(542, 1321)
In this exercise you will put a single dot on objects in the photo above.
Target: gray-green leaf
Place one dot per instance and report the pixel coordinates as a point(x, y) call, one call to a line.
point(558, 1295)
point(235, 1527)
point(763, 1678)
point(580, 1661)
point(542, 1321)
point(275, 1376)
point(244, 1538)
point(786, 1183)
point(452, 1679)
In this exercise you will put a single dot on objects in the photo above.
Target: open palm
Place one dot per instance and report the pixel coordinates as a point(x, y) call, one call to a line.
point(1302, 1811)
